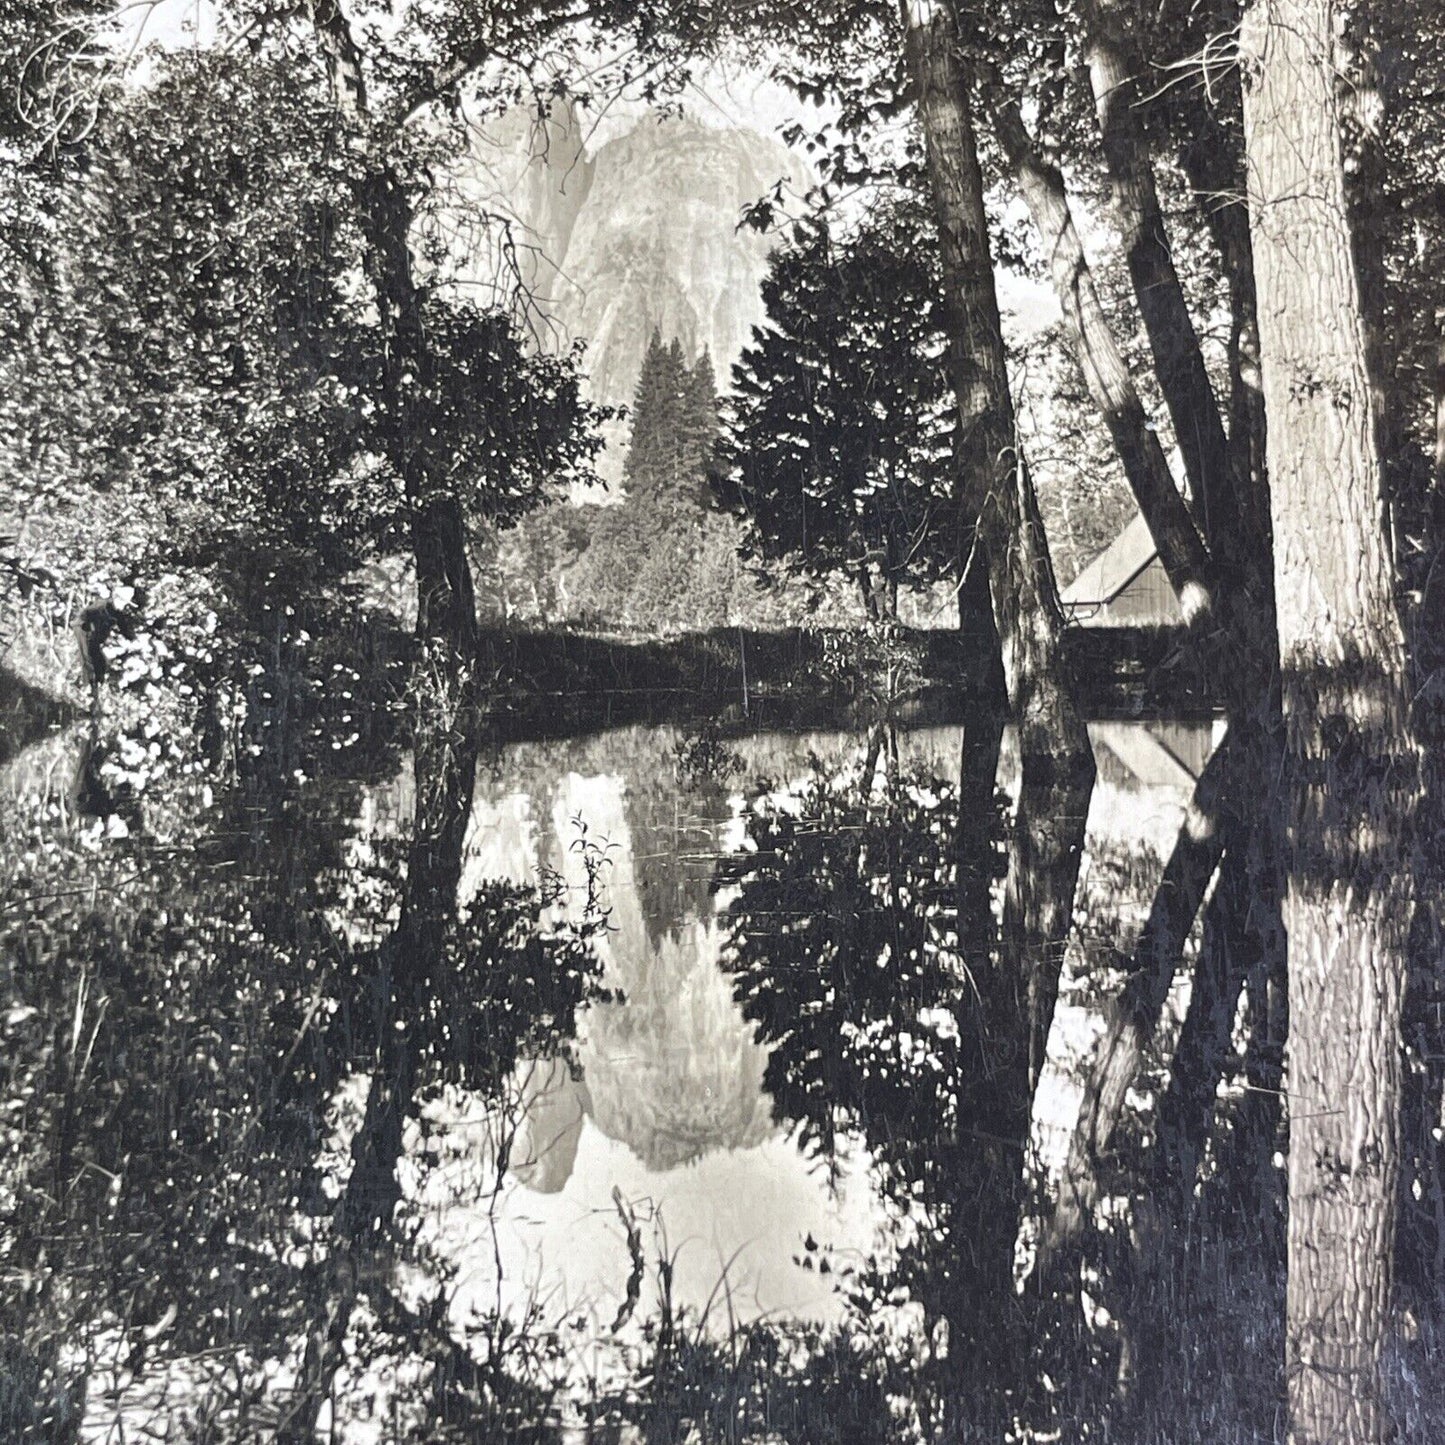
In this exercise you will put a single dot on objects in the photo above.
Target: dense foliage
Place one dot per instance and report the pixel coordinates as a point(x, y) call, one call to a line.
point(839, 450)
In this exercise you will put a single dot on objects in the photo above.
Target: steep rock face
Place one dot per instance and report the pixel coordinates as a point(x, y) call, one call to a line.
point(522, 192)
point(643, 234)
point(657, 243)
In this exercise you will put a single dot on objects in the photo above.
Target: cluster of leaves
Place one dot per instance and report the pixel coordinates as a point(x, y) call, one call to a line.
point(839, 445)
point(843, 940)
point(196, 373)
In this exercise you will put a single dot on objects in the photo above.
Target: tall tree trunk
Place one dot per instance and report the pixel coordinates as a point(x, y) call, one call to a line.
point(1214, 168)
point(1352, 770)
point(1178, 360)
point(997, 507)
point(1181, 547)
point(414, 445)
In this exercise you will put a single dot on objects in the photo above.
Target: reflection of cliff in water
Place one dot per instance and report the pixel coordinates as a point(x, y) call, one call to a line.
point(554, 1106)
point(669, 1067)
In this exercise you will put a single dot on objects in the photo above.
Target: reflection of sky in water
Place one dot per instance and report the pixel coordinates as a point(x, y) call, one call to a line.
point(668, 1114)
point(735, 1215)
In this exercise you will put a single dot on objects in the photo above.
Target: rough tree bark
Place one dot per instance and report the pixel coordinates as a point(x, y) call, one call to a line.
point(997, 507)
point(1352, 773)
point(1178, 360)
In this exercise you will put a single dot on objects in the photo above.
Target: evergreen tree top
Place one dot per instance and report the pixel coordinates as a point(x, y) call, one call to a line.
point(674, 420)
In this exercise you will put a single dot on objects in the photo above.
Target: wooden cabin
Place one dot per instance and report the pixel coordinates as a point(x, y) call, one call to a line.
point(1124, 586)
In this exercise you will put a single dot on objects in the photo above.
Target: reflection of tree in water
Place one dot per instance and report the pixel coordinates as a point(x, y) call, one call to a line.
point(843, 943)
point(177, 1020)
point(673, 819)
point(843, 939)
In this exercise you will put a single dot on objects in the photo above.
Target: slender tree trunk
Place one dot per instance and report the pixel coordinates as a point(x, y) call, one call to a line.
point(1181, 547)
point(1178, 360)
point(981, 744)
point(415, 446)
point(1215, 171)
point(998, 509)
point(1352, 770)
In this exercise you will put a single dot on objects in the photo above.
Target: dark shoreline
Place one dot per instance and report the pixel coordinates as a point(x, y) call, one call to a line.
point(552, 683)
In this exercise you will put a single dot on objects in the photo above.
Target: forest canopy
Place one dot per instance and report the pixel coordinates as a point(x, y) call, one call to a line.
point(1059, 265)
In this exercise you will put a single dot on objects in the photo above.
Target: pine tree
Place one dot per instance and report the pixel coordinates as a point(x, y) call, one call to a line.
point(652, 454)
point(700, 427)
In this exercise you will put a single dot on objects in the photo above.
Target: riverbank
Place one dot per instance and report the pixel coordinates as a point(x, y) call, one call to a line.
point(553, 683)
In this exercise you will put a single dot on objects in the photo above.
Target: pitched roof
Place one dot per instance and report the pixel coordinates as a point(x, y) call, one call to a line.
point(1113, 569)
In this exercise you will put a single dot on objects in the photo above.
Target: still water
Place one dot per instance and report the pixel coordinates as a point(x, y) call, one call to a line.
point(661, 1112)
point(733, 1122)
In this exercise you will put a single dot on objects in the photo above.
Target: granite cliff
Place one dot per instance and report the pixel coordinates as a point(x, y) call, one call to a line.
point(642, 233)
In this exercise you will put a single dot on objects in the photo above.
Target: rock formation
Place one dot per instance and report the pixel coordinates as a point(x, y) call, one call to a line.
point(658, 243)
point(644, 233)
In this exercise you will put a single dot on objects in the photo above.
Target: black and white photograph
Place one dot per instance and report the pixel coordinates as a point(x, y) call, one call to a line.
point(722, 723)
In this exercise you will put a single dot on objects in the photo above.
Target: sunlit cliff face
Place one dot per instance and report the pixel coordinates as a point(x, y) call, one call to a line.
point(641, 234)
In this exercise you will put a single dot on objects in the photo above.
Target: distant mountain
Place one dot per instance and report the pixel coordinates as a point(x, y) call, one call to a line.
point(657, 243)
point(533, 175)
point(642, 234)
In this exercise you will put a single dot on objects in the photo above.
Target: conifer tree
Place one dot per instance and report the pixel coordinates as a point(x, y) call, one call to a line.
point(652, 452)
point(700, 426)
